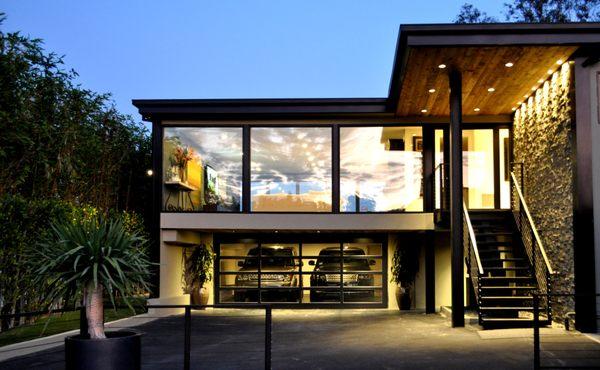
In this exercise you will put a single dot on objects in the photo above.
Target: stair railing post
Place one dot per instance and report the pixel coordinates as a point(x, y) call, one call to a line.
point(536, 332)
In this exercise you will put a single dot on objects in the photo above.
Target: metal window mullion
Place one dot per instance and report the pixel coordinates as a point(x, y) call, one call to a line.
point(300, 275)
point(342, 273)
point(259, 272)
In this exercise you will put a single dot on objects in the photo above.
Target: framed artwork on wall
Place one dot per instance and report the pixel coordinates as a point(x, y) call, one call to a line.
point(417, 143)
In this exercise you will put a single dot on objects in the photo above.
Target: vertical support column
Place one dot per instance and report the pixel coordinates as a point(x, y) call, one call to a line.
point(246, 169)
point(456, 199)
point(583, 207)
point(157, 176)
point(335, 170)
point(429, 272)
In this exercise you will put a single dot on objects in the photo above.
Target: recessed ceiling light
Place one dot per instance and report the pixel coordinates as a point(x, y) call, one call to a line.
point(442, 66)
point(304, 145)
point(514, 109)
point(491, 89)
point(525, 96)
point(432, 90)
point(540, 80)
point(550, 71)
point(534, 88)
point(559, 62)
point(476, 109)
point(519, 103)
point(423, 110)
point(509, 64)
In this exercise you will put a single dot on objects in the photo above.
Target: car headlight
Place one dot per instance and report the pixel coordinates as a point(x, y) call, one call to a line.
point(364, 276)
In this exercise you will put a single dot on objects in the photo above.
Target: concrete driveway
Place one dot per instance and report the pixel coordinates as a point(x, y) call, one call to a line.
point(337, 339)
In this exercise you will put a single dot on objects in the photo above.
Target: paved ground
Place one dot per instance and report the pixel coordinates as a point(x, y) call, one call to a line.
point(337, 339)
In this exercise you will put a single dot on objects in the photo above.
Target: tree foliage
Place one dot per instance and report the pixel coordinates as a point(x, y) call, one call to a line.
point(470, 14)
point(537, 11)
point(60, 140)
point(65, 151)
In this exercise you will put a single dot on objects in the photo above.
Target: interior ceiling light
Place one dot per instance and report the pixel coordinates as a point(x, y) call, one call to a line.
point(432, 90)
point(550, 71)
point(540, 80)
point(514, 109)
point(423, 110)
point(476, 109)
point(559, 62)
point(509, 65)
point(442, 66)
point(534, 88)
point(491, 89)
point(519, 103)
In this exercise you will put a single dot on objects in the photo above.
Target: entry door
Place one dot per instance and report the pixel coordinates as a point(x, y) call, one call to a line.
point(486, 156)
point(341, 273)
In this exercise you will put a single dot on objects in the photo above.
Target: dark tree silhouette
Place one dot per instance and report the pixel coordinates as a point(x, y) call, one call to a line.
point(537, 11)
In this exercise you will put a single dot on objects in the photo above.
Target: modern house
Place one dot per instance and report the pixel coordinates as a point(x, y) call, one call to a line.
point(479, 167)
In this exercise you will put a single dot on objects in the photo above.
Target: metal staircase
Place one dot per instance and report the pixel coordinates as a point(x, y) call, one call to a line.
point(505, 284)
point(506, 260)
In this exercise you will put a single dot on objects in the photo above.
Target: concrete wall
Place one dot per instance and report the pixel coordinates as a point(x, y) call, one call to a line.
point(543, 134)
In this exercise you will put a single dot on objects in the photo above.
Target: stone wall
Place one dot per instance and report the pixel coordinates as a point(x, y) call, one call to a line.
point(543, 130)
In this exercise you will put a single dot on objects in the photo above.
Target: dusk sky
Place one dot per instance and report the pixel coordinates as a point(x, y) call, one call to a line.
point(228, 49)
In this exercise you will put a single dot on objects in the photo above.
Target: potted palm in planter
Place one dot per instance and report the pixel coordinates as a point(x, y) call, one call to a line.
point(197, 267)
point(405, 265)
point(89, 258)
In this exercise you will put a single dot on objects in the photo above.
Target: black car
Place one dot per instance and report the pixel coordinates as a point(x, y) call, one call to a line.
point(327, 274)
point(278, 269)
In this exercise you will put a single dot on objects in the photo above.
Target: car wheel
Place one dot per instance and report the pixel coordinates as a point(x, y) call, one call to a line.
point(239, 297)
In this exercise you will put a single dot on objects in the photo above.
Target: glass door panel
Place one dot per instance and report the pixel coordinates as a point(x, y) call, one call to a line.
point(478, 168)
point(504, 145)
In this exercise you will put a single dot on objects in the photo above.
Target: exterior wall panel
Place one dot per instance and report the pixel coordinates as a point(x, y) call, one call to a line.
point(543, 142)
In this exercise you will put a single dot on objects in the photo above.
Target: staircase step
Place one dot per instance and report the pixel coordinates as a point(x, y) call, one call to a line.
point(510, 268)
point(506, 278)
point(493, 234)
point(507, 297)
point(494, 242)
point(503, 259)
point(507, 308)
point(495, 250)
point(518, 287)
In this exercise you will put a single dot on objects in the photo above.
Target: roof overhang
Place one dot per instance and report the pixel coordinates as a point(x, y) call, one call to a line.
point(480, 53)
point(260, 108)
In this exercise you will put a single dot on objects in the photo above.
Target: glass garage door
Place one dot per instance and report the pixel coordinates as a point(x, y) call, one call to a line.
point(349, 272)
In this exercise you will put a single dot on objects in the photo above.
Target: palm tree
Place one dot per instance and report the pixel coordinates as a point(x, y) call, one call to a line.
point(90, 256)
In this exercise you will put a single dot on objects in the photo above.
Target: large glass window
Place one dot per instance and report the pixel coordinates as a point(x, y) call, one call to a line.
point(202, 169)
point(291, 169)
point(381, 169)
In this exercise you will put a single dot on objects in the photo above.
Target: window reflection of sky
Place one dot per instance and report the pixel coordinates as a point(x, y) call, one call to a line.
point(290, 160)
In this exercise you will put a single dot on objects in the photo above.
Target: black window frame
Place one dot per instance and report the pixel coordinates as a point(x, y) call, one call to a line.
point(335, 170)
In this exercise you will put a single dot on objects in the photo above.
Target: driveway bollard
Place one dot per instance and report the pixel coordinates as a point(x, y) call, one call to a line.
point(268, 328)
point(187, 340)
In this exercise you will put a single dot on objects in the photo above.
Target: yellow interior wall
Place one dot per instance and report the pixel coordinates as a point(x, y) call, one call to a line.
point(443, 275)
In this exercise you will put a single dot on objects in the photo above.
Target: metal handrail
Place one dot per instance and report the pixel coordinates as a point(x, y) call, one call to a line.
point(472, 238)
point(531, 224)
